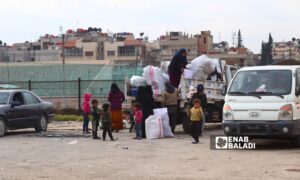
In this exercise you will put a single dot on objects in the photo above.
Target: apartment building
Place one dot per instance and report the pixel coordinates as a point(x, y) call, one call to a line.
point(128, 52)
point(286, 50)
point(204, 42)
point(173, 41)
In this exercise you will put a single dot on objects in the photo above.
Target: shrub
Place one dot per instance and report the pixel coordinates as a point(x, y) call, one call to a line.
point(68, 111)
point(64, 117)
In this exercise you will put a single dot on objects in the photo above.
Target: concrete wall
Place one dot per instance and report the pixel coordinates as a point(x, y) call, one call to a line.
point(40, 55)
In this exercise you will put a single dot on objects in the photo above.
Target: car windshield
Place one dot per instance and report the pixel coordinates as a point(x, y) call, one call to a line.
point(4, 97)
point(262, 82)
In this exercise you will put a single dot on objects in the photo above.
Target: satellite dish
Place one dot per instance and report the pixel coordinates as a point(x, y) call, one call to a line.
point(141, 34)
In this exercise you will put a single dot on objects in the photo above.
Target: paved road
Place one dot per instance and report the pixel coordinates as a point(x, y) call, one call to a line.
point(63, 153)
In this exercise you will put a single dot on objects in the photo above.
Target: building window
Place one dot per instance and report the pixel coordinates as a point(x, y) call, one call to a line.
point(204, 40)
point(110, 53)
point(89, 53)
point(73, 52)
point(164, 47)
point(126, 51)
point(101, 57)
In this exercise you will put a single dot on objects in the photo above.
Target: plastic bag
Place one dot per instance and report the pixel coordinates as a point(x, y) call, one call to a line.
point(154, 129)
point(155, 78)
point(163, 113)
point(136, 81)
point(202, 66)
point(164, 66)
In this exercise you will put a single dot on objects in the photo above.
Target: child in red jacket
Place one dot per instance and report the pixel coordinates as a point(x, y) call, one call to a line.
point(86, 108)
point(138, 115)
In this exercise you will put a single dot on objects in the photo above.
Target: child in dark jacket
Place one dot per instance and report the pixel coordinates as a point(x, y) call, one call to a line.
point(86, 112)
point(106, 122)
point(96, 118)
point(138, 116)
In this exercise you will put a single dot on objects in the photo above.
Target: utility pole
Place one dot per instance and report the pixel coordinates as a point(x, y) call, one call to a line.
point(63, 49)
point(63, 64)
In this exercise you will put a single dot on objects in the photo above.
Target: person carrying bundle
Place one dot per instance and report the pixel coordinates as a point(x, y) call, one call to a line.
point(177, 66)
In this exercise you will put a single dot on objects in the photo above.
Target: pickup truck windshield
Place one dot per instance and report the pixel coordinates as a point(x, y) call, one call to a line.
point(4, 97)
point(262, 82)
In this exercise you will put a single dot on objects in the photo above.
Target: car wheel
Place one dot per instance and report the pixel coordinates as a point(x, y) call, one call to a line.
point(42, 124)
point(2, 127)
point(296, 141)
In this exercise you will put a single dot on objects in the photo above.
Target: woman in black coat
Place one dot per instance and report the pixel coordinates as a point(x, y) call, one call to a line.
point(145, 99)
point(177, 66)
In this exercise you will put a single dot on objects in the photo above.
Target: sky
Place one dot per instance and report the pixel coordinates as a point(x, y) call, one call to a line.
point(26, 20)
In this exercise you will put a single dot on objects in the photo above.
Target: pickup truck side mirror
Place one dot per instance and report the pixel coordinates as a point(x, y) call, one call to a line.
point(15, 103)
point(224, 90)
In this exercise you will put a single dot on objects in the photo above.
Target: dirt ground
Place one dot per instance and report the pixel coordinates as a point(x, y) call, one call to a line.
point(64, 153)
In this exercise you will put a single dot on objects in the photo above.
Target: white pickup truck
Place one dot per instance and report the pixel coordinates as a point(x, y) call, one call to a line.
point(264, 101)
point(213, 90)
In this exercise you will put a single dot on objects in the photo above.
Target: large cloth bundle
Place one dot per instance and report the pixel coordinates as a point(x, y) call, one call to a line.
point(136, 81)
point(154, 129)
point(155, 78)
point(164, 66)
point(163, 114)
point(202, 66)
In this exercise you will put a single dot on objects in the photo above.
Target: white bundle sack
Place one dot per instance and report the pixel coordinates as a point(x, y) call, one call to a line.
point(136, 81)
point(155, 78)
point(202, 66)
point(153, 126)
point(217, 65)
point(164, 66)
point(166, 76)
point(200, 73)
point(163, 113)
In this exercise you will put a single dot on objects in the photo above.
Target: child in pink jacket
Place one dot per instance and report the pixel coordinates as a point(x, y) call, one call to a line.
point(86, 108)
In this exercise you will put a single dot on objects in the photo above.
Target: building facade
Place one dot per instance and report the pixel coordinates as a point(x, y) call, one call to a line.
point(173, 41)
point(286, 50)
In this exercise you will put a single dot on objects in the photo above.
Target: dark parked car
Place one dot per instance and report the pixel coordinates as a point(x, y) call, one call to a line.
point(23, 109)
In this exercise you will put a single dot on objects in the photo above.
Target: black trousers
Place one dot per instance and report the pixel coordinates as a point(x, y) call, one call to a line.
point(172, 112)
point(107, 129)
point(95, 125)
point(196, 128)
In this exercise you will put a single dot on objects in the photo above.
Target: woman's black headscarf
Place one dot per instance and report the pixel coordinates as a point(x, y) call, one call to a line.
point(114, 88)
point(145, 97)
point(178, 62)
point(140, 94)
point(149, 91)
